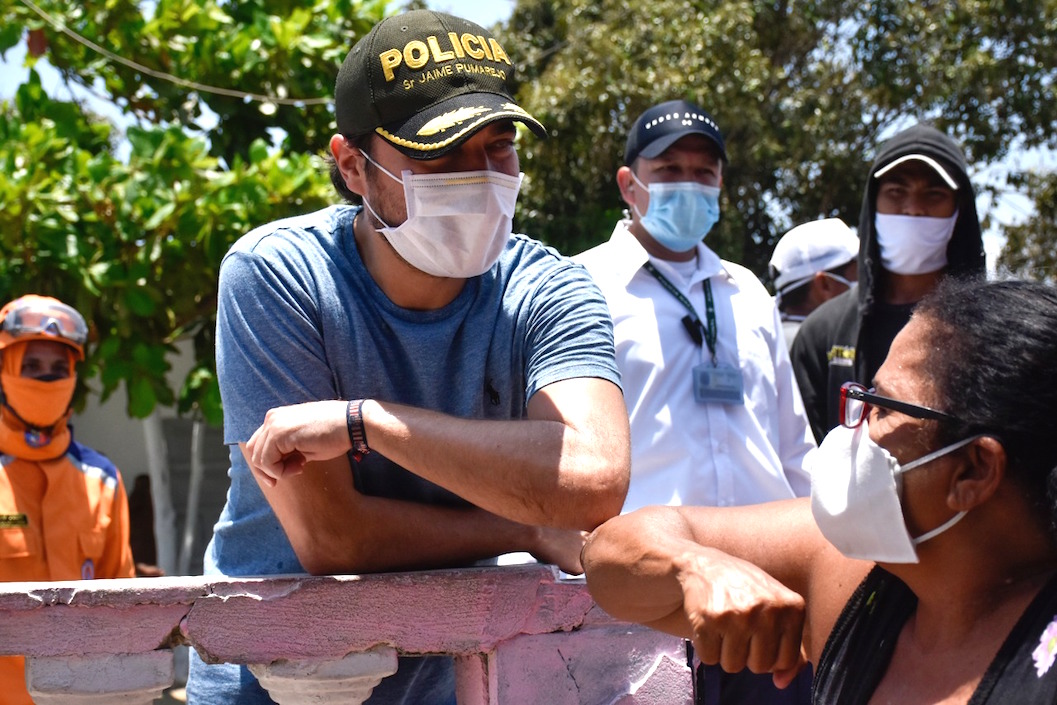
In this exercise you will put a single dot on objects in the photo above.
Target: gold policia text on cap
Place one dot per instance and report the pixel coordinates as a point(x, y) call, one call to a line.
point(416, 53)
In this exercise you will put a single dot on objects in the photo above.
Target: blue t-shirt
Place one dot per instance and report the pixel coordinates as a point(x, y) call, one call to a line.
point(300, 319)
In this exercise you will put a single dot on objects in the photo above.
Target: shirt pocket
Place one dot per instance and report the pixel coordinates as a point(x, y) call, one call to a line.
point(92, 543)
point(19, 542)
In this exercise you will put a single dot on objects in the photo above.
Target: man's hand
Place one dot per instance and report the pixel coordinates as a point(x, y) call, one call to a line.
point(294, 435)
point(740, 616)
point(561, 547)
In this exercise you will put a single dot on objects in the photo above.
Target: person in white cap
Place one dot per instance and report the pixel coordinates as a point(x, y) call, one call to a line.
point(716, 418)
point(810, 265)
point(918, 224)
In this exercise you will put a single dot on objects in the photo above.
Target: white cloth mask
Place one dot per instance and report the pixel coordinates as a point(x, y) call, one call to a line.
point(912, 244)
point(855, 487)
point(457, 222)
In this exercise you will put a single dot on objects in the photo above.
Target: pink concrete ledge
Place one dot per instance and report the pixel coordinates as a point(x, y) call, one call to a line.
point(257, 620)
point(499, 622)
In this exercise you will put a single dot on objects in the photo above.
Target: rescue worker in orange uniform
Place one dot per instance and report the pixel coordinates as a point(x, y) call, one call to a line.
point(63, 507)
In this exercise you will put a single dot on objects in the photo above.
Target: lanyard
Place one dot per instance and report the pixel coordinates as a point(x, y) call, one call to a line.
point(700, 332)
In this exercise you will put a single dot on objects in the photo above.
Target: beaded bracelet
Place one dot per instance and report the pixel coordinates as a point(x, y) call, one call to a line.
point(357, 432)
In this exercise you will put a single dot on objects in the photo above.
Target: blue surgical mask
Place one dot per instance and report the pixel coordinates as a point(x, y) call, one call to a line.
point(680, 213)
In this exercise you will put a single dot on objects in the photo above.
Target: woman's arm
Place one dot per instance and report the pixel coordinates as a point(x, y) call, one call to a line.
point(755, 587)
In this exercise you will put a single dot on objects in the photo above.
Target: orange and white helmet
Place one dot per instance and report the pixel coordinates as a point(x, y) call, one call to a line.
point(33, 317)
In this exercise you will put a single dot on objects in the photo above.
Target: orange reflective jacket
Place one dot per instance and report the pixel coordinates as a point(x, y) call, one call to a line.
point(61, 519)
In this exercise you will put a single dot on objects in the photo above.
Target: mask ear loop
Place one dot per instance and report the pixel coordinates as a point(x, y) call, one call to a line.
point(795, 284)
point(939, 529)
point(929, 458)
point(382, 168)
point(645, 188)
point(839, 278)
point(366, 204)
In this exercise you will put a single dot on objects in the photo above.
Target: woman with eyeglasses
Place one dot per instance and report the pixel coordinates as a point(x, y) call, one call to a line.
point(923, 569)
point(63, 507)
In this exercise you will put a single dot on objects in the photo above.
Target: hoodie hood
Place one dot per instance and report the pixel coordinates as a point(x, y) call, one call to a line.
point(965, 251)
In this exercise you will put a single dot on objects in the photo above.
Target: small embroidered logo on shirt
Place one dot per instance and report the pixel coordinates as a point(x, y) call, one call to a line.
point(8, 521)
point(88, 570)
point(1045, 653)
point(841, 356)
point(37, 439)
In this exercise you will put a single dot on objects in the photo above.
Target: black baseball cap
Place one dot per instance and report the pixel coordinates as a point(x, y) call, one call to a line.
point(661, 126)
point(425, 82)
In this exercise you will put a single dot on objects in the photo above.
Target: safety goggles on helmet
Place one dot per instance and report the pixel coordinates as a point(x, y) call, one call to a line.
point(45, 318)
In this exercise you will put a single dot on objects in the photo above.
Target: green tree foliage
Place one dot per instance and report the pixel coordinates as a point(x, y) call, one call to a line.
point(130, 226)
point(803, 92)
point(288, 49)
point(135, 242)
point(1031, 247)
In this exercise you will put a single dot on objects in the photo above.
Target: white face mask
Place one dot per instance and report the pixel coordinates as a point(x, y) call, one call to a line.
point(457, 223)
point(855, 487)
point(913, 244)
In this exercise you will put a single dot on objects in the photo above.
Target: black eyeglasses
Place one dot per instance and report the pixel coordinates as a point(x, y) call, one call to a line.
point(855, 402)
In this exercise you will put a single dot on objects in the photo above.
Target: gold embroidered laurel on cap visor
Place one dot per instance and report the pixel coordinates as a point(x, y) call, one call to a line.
point(465, 121)
point(448, 120)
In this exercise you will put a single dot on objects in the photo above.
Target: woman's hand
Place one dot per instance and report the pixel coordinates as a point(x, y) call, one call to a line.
point(740, 616)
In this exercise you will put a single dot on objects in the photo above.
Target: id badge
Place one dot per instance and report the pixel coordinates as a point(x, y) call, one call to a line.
point(719, 383)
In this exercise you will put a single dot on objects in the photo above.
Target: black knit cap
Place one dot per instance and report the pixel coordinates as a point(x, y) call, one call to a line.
point(426, 81)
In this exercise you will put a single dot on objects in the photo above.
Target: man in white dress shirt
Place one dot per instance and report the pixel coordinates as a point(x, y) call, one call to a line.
point(716, 417)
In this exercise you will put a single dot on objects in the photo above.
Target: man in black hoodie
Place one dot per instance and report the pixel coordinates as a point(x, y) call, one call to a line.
point(918, 224)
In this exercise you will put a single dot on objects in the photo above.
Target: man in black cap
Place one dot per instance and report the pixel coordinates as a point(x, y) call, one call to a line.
point(406, 384)
point(716, 418)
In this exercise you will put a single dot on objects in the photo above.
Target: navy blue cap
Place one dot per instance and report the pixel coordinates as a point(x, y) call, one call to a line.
point(661, 126)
